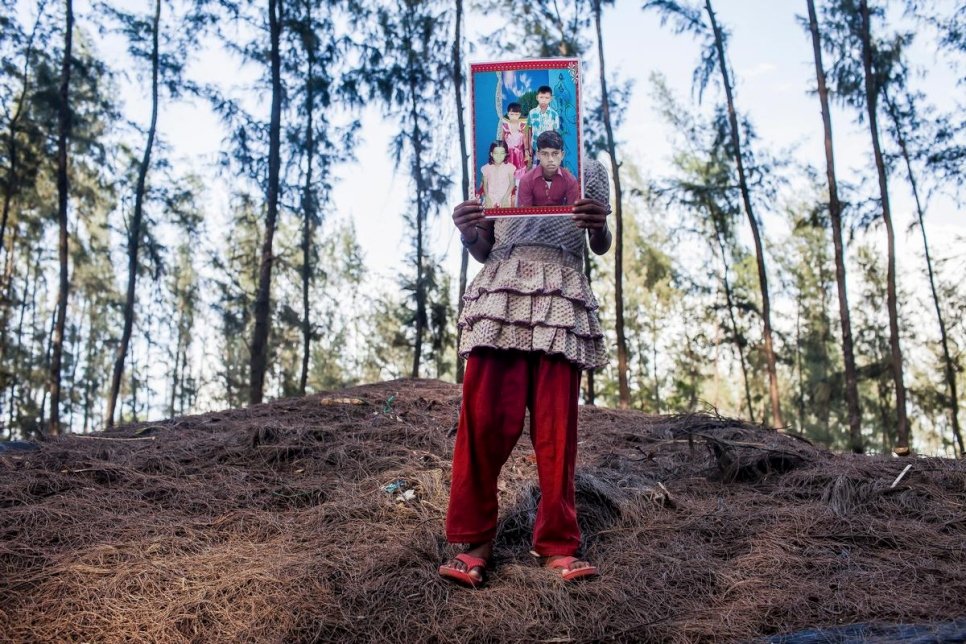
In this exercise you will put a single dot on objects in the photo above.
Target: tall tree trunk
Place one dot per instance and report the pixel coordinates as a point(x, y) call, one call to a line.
point(24, 349)
point(174, 371)
point(641, 375)
point(308, 207)
point(75, 337)
point(624, 393)
point(9, 377)
point(48, 347)
point(89, 385)
point(12, 180)
point(776, 410)
point(729, 298)
point(798, 362)
point(416, 137)
point(262, 309)
point(657, 378)
point(835, 215)
point(693, 370)
point(18, 382)
point(63, 187)
point(134, 233)
point(950, 369)
point(871, 97)
point(182, 394)
point(591, 393)
point(465, 184)
point(134, 388)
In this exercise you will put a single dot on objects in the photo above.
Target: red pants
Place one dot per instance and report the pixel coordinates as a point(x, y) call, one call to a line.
point(498, 387)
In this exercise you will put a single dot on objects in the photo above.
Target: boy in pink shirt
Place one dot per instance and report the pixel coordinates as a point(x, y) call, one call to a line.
point(548, 183)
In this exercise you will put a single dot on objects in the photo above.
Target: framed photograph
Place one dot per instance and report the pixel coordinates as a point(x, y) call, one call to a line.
point(526, 136)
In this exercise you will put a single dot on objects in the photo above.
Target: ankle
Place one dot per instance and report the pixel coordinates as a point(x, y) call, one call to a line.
point(484, 549)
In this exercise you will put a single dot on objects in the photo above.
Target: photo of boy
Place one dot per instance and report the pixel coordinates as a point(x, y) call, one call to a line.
point(542, 118)
point(498, 178)
point(513, 133)
point(548, 183)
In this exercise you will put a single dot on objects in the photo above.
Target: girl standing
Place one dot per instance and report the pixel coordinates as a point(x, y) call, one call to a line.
point(529, 327)
point(498, 182)
point(512, 131)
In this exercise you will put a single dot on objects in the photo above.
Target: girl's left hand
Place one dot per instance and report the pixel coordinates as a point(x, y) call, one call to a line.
point(590, 214)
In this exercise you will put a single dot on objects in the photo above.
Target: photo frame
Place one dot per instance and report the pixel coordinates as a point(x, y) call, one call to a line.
point(510, 107)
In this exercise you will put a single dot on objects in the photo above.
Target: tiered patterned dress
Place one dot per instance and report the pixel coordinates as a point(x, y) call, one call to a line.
point(531, 294)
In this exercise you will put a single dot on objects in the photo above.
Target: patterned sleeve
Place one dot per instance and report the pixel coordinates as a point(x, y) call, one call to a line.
point(596, 181)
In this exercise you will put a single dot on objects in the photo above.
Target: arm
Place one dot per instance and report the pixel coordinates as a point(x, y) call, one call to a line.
point(475, 230)
point(592, 216)
point(505, 197)
point(526, 142)
point(528, 136)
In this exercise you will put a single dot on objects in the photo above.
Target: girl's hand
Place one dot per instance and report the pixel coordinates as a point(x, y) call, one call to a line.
point(590, 214)
point(469, 214)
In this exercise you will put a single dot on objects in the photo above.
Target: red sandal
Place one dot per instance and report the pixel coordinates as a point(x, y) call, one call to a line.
point(463, 577)
point(563, 564)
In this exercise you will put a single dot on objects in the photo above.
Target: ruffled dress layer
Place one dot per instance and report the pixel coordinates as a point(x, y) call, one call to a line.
point(533, 297)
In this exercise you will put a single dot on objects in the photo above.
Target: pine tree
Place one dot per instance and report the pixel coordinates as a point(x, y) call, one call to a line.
point(618, 217)
point(835, 215)
point(135, 27)
point(458, 89)
point(28, 339)
point(262, 307)
point(704, 185)
point(410, 69)
point(860, 68)
point(904, 126)
point(63, 187)
point(690, 19)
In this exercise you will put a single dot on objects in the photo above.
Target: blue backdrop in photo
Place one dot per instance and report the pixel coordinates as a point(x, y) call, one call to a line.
point(493, 91)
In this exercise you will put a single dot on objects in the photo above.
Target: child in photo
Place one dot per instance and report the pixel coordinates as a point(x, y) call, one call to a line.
point(498, 178)
point(513, 133)
point(542, 118)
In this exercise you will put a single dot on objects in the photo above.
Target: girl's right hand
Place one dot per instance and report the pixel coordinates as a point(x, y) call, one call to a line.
point(469, 214)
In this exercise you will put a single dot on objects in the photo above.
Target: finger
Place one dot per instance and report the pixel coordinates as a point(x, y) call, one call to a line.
point(589, 222)
point(469, 205)
point(468, 211)
point(592, 210)
point(591, 205)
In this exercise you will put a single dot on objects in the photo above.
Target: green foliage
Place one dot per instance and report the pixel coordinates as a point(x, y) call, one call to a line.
point(540, 28)
point(235, 281)
point(409, 69)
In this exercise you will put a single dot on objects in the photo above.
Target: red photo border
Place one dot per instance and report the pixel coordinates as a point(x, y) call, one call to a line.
point(572, 64)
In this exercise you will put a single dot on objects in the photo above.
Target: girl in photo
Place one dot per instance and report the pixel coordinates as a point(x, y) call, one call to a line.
point(512, 132)
point(498, 178)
